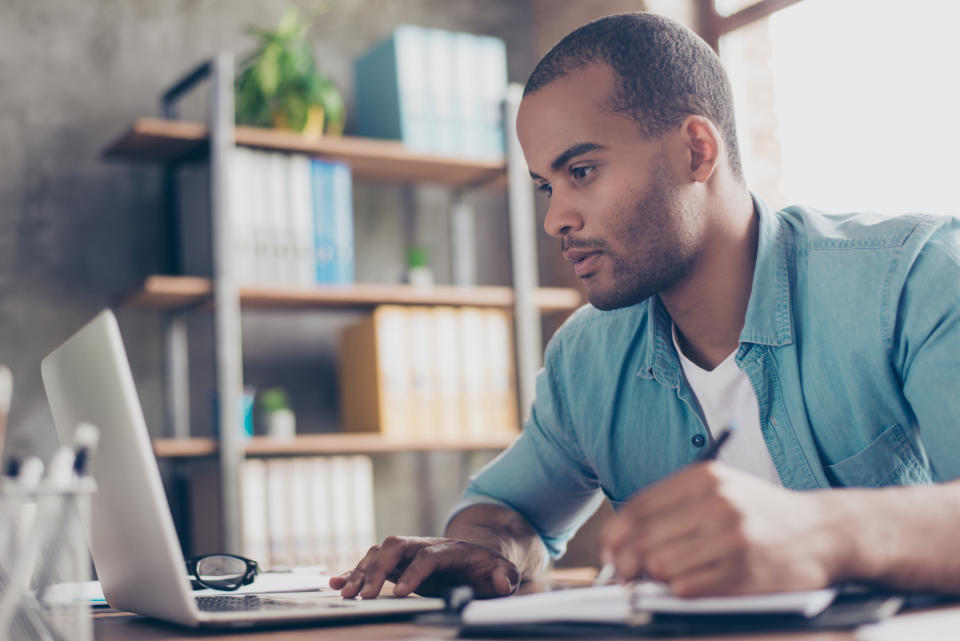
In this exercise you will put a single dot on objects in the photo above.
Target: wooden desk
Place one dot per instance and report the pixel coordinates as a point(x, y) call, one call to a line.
point(128, 627)
point(113, 626)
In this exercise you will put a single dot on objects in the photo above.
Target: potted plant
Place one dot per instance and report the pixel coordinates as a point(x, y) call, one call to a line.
point(279, 418)
point(279, 85)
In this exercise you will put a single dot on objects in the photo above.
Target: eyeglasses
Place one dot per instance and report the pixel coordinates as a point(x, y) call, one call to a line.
point(221, 571)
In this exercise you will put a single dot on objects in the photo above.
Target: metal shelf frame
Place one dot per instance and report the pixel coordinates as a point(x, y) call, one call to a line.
point(219, 72)
point(228, 343)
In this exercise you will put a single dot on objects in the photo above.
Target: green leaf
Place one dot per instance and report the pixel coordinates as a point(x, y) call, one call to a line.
point(280, 81)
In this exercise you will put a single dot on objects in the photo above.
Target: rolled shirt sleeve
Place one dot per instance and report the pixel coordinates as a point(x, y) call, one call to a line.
point(543, 475)
point(926, 346)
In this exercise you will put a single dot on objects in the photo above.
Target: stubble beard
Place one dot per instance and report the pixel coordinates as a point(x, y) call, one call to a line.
point(652, 227)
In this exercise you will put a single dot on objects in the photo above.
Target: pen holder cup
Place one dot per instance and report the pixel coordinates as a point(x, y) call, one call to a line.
point(45, 562)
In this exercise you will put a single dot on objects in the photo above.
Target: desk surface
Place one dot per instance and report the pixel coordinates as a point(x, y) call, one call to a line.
point(122, 626)
point(128, 627)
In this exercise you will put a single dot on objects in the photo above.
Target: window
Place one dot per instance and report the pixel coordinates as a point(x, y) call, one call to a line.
point(850, 105)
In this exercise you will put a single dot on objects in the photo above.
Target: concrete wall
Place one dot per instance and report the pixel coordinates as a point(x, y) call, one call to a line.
point(76, 231)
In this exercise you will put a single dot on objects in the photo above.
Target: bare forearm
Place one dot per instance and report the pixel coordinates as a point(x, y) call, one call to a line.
point(904, 537)
point(502, 530)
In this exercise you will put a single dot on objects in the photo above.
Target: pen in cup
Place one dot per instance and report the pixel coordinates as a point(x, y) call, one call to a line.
point(64, 478)
point(608, 573)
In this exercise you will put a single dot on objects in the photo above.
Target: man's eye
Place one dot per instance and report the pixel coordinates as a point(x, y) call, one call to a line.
point(545, 189)
point(579, 173)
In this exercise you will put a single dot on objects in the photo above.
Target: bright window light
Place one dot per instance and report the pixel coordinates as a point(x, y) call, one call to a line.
point(866, 95)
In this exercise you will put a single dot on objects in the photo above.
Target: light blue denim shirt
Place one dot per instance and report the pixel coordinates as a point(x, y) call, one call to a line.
point(851, 342)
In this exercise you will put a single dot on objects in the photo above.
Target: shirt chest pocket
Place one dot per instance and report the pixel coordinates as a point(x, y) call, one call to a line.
point(889, 459)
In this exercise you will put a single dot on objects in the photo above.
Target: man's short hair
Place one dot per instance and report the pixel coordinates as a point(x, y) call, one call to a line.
point(664, 73)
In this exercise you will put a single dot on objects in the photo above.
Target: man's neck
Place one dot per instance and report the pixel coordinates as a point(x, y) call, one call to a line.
point(709, 306)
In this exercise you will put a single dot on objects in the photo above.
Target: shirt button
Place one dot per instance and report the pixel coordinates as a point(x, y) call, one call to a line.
point(698, 440)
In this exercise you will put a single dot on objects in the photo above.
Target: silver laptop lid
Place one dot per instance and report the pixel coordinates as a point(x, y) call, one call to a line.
point(133, 539)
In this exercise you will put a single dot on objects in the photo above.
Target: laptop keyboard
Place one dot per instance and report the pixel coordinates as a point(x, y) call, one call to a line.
point(242, 603)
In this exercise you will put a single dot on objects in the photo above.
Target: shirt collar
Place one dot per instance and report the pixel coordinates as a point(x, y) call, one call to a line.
point(768, 316)
point(768, 319)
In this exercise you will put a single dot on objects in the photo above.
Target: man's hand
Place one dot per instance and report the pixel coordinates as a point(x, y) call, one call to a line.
point(429, 566)
point(710, 529)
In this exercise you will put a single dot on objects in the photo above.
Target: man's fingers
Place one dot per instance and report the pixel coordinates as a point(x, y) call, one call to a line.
point(647, 507)
point(428, 566)
point(623, 531)
point(382, 564)
point(721, 577)
point(351, 587)
point(505, 579)
point(426, 562)
point(356, 578)
point(339, 580)
point(682, 506)
point(693, 553)
point(436, 568)
point(366, 580)
point(687, 484)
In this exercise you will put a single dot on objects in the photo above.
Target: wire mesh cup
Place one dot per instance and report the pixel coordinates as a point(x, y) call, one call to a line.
point(45, 561)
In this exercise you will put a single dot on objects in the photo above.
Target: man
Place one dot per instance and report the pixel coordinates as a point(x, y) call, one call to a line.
point(831, 342)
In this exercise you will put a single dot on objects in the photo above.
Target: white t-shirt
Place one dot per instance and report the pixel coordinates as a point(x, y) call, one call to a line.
point(726, 397)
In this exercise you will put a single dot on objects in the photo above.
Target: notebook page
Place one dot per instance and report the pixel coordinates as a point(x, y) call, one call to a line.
point(619, 604)
point(939, 625)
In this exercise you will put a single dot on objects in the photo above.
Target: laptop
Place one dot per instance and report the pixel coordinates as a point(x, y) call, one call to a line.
point(133, 541)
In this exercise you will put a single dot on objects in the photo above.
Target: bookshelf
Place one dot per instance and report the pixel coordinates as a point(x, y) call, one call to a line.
point(170, 142)
point(320, 444)
point(172, 292)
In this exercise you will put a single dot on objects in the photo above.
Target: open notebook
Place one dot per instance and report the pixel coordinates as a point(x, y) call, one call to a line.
point(633, 604)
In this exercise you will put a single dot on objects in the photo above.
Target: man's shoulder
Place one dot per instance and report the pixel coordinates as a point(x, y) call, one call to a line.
point(812, 230)
point(900, 239)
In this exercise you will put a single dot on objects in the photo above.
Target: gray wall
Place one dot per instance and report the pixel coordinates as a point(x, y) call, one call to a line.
point(76, 231)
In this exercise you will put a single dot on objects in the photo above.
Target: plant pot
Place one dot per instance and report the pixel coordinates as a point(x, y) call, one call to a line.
point(312, 128)
point(281, 425)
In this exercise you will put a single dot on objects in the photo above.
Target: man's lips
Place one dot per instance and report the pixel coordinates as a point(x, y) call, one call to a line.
point(584, 260)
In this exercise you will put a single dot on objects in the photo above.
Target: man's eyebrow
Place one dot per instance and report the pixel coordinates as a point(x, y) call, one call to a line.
point(573, 151)
point(570, 152)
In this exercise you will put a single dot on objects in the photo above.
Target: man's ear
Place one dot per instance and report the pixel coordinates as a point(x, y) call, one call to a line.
point(703, 145)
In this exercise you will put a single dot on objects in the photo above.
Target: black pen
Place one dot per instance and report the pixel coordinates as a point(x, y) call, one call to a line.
point(714, 448)
point(608, 573)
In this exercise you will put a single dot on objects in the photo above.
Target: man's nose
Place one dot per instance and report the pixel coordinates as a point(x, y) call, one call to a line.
point(561, 219)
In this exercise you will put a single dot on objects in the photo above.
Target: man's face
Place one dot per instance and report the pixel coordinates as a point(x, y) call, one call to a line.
point(613, 200)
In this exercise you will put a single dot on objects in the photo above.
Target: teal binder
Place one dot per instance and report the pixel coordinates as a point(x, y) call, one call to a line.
point(437, 91)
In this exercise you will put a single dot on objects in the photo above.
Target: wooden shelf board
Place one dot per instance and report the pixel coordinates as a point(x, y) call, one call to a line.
point(160, 140)
point(184, 447)
point(168, 292)
point(319, 444)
